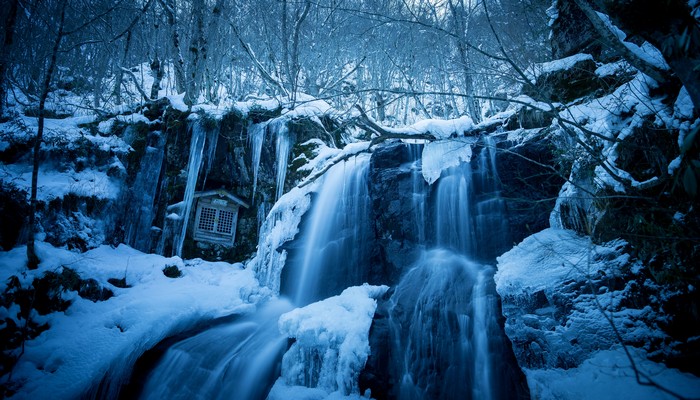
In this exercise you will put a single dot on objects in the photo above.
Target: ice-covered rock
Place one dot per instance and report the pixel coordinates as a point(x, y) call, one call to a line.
point(331, 345)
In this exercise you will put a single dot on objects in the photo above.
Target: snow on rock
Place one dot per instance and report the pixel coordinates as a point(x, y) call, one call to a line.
point(443, 154)
point(558, 291)
point(438, 128)
point(91, 339)
point(566, 63)
point(542, 261)
point(280, 226)
point(608, 375)
point(332, 344)
point(56, 184)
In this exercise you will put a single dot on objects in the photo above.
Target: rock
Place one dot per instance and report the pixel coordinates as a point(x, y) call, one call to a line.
point(572, 32)
point(564, 80)
point(530, 180)
point(391, 191)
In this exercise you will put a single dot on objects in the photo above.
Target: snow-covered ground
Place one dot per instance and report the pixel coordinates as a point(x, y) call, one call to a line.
point(91, 338)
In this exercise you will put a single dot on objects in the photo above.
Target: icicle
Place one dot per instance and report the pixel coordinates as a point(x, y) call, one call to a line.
point(256, 137)
point(142, 195)
point(281, 154)
point(193, 167)
point(211, 142)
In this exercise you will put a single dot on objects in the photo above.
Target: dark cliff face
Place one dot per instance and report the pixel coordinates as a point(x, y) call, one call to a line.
point(391, 190)
point(530, 182)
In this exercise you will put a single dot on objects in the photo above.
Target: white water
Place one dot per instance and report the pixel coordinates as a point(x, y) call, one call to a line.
point(445, 334)
point(454, 226)
point(233, 361)
point(194, 165)
point(439, 328)
point(241, 360)
point(335, 244)
point(419, 193)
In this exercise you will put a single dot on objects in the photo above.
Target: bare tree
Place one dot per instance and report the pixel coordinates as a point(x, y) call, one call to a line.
point(32, 258)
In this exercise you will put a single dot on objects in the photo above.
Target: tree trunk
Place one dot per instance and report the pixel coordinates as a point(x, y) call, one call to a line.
point(158, 72)
point(32, 258)
point(668, 25)
point(179, 63)
point(117, 92)
point(7, 43)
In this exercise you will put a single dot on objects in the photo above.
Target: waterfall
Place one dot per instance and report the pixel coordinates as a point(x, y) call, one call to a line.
point(446, 340)
point(194, 165)
point(418, 199)
point(139, 217)
point(439, 328)
point(334, 246)
point(242, 359)
point(236, 360)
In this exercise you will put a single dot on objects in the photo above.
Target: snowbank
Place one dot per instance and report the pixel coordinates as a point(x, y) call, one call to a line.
point(608, 375)
point(92, 338)
point(332, 345)
point(562, 295)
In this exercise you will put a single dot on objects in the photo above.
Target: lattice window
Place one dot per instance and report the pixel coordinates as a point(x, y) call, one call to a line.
point(207, 219)
point(225, 222)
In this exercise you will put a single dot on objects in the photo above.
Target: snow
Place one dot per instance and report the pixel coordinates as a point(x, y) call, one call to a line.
point(646, 52)
point(56, 184)
point(89, 339)
point(608, 375)
point(556, 262)
point(438, 128)
point(563, 64)
point(542, 261)
point(613, 69)
point(334, 330)
point(683, 107)
point(177, 101)
point(443, 154)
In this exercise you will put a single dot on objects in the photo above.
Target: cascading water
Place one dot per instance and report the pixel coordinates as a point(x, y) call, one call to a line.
point(235, 360)
point(334, 249)
point(419, 196)
point(447, 342)
point(440, 329)
point(242, 360)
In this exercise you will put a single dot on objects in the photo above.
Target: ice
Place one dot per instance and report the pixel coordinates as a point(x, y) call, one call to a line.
point(283, 144)
point(443, 154)
point(194, 166)
point(256, 138)
point(332, 343)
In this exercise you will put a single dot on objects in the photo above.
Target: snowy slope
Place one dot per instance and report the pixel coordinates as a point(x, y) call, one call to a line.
point(91, 338)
